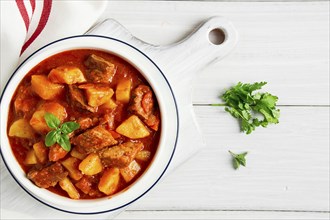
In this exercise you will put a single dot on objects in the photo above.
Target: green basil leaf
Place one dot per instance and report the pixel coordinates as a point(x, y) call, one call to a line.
point(64, 142)
point(69, 127)
point(52, 137)
point(51, 120)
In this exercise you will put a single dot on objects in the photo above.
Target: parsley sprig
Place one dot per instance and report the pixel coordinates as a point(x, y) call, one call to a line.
point(238, 159)
point(59, 134)
point(242, 103)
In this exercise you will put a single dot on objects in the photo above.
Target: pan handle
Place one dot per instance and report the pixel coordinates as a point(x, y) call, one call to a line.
point(210, 42)
point(192, 53)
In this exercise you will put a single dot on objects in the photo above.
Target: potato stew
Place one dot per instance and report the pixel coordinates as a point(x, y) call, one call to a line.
point(84, 124)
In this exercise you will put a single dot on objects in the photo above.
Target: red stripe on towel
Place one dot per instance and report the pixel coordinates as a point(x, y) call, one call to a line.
point(24, 14)
point(47, 6)
point(33, 5)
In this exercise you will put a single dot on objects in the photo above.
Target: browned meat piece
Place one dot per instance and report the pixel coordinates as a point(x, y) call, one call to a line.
point(79, 99)
point(108, 119)
point(25, 100)
point(153, 122)
point(99, 69)
point(88, 185)
point(95, 193)
point(48, 176)
point(84, 184)
point(93, 140)
point(85, 123)
point(56, 152)
point(142, 104)
point(120, 155)
point(137, 106)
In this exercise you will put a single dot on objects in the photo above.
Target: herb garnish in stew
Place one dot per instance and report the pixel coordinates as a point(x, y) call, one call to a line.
point(59, 134)
point(84, 124)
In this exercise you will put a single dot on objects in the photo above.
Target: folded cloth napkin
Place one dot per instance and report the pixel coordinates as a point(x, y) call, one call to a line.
point(27, 25)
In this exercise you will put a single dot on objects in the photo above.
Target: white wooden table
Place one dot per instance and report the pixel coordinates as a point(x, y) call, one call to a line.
point(287, 173)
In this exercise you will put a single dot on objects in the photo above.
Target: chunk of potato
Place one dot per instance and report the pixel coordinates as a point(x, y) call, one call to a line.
point(45, 88)
point(91, 165)
point(97, 96)
point(143, 155)
point(37, 120)
point(40, 151)
point(109, 181)
point(22, 129)
point(55, 108)
point(133, 127)
point(67, 186)
point(30, 158)
point(66, 74)
point(129, 172)
point(75, 153)
point(123, 90)
point(71, 164)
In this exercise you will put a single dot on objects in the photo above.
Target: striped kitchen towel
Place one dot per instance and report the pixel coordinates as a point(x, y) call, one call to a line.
point(27, 25)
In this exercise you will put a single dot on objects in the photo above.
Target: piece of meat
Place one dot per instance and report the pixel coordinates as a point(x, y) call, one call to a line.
point(25, 100)
point(48, 176)
point(99, 69)
point(85, 123)
point(88, 185)
point(79, 99)
point(153, 122)
point(95, 193)
point(56, 152)
point(136, 106)
point(142, 104)
point(84, 184)
point(108, 119)
point(121, 155)
point(93, 140)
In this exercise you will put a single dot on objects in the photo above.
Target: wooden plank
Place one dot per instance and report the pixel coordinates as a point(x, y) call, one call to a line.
point(285, 44)
point(220, 215)
point(287, 166)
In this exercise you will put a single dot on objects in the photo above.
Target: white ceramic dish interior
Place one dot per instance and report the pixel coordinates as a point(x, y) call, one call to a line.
point(169, 125)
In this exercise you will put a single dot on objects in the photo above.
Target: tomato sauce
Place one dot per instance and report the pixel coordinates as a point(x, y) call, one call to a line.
point(27, 101)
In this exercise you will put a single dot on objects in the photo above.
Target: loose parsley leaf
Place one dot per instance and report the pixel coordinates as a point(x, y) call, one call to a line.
point(59, 134)
point(238, 159)
point(242, 103)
